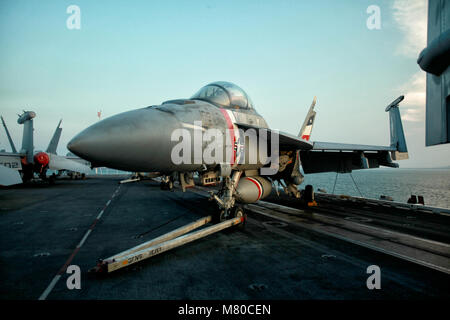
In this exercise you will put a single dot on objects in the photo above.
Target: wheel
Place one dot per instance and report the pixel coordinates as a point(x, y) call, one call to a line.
point(218, 216)
point(51, 179)
point(238, 212)
point(308, 195)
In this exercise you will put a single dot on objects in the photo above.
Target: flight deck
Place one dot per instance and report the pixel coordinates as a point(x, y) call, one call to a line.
point(285, 251)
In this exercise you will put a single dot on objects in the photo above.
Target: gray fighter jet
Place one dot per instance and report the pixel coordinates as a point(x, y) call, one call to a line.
point(17, 167)
point(219, 135)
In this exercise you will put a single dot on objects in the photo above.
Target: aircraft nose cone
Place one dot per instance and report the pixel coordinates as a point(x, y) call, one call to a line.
point(137, 140)
point(86, 142)
point(79, 145)
point(73, 145)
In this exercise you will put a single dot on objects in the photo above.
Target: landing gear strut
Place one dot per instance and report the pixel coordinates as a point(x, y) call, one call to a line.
point(167, 183)
point(225, 198)
point(308, 196)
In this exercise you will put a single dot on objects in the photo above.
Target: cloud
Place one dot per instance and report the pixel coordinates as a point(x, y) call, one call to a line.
point(415, 97)
point(411, 18)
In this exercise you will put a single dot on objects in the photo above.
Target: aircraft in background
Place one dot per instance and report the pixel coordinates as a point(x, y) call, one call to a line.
point(17, 167)
point(146, 140)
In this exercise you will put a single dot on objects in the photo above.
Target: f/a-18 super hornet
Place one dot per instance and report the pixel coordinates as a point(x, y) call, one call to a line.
point(218, 134)
point(17, 167)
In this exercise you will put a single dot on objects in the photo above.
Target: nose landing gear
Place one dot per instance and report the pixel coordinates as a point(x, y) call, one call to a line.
point(226, 200)
point(166, 183)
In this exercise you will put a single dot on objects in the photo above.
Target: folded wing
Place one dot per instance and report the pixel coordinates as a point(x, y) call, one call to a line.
point(10, 165)
point(343, 157)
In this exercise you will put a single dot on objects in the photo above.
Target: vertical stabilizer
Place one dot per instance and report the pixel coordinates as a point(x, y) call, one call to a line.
point(398, 140)
point(305, 131)
point(55, 139)
point(11, 143)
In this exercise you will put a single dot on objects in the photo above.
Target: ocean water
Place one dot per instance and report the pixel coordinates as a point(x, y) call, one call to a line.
point(432, 184)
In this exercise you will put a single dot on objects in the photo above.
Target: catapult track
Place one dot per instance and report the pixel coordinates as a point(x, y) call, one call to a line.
point(415, 234)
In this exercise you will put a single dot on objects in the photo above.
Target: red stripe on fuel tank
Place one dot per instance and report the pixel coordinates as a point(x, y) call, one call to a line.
point(231, 131)
point(257, 185)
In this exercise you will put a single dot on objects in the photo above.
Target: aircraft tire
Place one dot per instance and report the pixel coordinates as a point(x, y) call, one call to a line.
point(218, 216)
point(308, 195)
point(239, 212)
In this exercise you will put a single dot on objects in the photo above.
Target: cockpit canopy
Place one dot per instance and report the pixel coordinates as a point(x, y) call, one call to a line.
point(224, 94)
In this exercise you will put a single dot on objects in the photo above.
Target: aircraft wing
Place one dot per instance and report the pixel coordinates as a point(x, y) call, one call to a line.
point(9, 177)
point(11, 160)
point(9, 169)
point(287, 141)
point(63, 163)
point(349, 147)
point(343, 158)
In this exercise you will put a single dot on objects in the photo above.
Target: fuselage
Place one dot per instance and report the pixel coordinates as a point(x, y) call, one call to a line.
point(177, 135)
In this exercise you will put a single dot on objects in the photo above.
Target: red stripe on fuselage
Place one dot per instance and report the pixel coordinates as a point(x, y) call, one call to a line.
point(257, 185)
point(231, 131)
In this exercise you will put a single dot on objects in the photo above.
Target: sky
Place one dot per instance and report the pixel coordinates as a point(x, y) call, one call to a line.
point(132, 54)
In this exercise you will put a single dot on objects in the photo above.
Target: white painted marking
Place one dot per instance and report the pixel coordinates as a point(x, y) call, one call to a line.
point(237, 137)
point(84, 238)
point(192, 126)
point(58, 276)
point(50, 287)
point(100, 214)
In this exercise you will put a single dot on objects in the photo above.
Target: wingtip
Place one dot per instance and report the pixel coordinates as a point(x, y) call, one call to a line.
point(313, 104)
point(395, 103)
